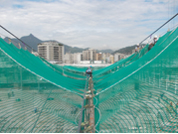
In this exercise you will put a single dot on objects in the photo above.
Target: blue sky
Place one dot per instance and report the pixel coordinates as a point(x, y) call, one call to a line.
point(97, 24)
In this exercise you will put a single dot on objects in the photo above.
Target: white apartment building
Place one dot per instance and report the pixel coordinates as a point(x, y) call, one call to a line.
point(69, 58)
point(51, 51)
point(106, 58)
point(72, 58)
point(77, 58)
point(118, 56)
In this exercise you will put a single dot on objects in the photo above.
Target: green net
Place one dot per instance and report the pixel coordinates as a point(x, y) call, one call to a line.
point(142, 97)
point(136, 94)
point(34, 97)
point(70, 71)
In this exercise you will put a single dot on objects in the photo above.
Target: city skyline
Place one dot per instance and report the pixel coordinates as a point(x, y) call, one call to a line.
point(107, 24)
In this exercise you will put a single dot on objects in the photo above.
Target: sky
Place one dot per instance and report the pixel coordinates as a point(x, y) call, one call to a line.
point(98, 24)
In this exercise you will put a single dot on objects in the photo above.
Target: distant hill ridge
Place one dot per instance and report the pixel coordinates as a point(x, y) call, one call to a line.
point(125, 50)
point(33, 41)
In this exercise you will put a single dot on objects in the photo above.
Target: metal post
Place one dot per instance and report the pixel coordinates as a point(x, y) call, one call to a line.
point(88, 124)
point(91, 120)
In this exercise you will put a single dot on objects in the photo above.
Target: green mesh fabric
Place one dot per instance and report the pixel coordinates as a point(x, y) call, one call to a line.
point(70, 71)
point(142, 97)
point(136, 94)
point(26, 83)
point(36, 66)
point(105, 72)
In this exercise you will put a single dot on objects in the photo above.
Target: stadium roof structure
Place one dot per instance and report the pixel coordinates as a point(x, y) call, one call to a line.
point(136, 94)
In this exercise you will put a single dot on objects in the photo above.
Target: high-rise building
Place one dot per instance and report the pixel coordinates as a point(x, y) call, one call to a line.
point(51, 51)
point(106, 57)
point(85, 55)
point(99, 56)
point(72, 58)
point(111, 59)
point(89, 54)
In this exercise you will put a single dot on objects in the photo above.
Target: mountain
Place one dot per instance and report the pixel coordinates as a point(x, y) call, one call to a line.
point(30, 40)
point(69, 49)
point(125, 50)
point(33, 41)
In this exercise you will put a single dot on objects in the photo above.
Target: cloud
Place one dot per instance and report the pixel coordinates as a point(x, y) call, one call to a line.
point(86, 23)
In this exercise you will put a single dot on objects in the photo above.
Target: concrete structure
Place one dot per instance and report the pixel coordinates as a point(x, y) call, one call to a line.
point(51, 51)
point(85, 62)
point(35, 53)
point(98, 62)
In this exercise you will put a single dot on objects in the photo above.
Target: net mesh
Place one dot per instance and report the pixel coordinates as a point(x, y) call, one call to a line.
point(136, 94)
point(142, 97)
